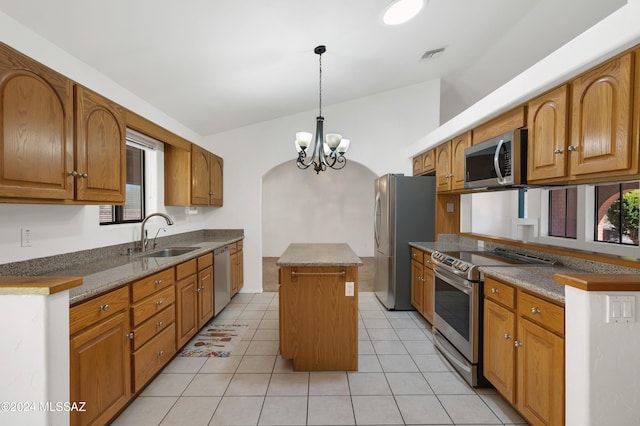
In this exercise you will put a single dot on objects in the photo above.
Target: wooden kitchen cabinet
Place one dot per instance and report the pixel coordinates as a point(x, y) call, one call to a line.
point(100, 140)
point(153, 321)
point(192, 177)
point(186, 302)
point(37, 120)
point(422, 285)
point(524, 351)
point(236, 260)
point(100, 369)
point(424, 163)
point(205, 289)
point(548, 119)
point(60, 141)
point(601, 143)
point(449, 158)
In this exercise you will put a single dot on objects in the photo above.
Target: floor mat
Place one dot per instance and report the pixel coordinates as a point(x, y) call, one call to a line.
point(216, 340)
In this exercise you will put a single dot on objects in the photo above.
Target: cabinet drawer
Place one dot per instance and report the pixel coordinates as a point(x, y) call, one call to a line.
point(153, 304)
point(500, 292)
point(153, 326)
point(88, 313)
point(417, 254)
point(240, 245)
point(233, 247)
point(185, 269)
point(149, 285)
point(542, 312)
point(204, 261)
point(152, 356)
point(427, 260)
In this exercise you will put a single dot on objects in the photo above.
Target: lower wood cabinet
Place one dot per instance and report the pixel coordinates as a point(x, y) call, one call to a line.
point(422, 286)
point(99, 357)
point(236, 260)
point(205, 289)
point(186, 302)
point(524, 351)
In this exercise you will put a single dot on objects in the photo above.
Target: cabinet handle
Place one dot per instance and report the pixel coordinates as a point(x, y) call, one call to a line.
point(535, 311)
point(104, 308)
point(495, 290)
point(415, 254)
point(202, 288)
point(558, 151)
point(159, 303)
point(158, 282)
point(159, 324)
point(72, 173)
point(83, 175)
point(572, 148)
point(129, 336)
point(507, 336)
point(517, 344)
point(161, 353)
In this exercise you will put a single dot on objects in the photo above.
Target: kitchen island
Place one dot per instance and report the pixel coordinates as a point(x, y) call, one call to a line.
point(319, 306)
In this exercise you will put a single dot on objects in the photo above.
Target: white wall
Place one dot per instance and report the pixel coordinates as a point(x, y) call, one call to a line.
point(380, 128)
point(300, 206)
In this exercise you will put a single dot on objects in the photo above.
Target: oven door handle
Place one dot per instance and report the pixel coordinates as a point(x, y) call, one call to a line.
point(451, 282)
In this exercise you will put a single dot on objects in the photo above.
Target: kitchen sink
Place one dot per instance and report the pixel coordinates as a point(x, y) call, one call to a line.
point(170, 252)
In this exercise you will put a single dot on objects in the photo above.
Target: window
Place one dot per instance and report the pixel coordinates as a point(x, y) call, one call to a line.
point(616, 213)
point(133, 209)
point(563, 212)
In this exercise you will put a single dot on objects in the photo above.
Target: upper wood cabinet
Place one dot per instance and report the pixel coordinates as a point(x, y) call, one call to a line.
point(601, 134)
point(424, 163)
point(47, 151)
point(192, 178)
point(514, 119)
point(100, 148)
point(36, 118)
point(449, 160)
point(547, 136)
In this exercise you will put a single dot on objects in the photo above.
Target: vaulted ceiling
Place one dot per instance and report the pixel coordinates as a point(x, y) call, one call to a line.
point(215, 65)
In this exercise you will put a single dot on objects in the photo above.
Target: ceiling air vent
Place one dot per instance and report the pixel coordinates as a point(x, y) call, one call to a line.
point(432, 54)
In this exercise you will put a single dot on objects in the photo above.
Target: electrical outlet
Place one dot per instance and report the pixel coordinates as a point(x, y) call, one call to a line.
point(349, 288)
point(450, 207)
point(25, 238)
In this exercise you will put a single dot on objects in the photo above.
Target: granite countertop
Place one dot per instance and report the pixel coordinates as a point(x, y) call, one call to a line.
point(115, 269)
point(536, 278)
point(319, 255)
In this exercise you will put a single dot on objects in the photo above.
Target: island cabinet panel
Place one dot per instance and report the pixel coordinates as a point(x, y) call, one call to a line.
point(36, 129)
point(319, 322)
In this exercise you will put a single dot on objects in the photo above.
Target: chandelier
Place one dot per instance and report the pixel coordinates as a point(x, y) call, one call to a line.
point(329, 150)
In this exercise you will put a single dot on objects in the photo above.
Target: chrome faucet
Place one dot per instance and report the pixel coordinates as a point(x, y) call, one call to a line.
point(143, 232)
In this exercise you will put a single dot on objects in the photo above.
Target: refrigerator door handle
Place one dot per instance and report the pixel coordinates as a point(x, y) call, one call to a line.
point(377, 219)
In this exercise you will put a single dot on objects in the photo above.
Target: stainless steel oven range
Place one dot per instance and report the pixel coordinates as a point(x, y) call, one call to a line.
point(457, 319)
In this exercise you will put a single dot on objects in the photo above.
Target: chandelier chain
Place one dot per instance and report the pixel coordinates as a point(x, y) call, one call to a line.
point(320, 85)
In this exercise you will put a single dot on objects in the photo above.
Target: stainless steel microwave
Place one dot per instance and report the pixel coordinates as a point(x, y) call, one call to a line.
point(497, 162)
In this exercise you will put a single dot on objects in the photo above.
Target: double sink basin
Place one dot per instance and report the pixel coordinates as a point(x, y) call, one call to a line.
point(170, 252)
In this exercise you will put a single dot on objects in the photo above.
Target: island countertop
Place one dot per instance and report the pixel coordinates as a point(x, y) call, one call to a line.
point(319, 254)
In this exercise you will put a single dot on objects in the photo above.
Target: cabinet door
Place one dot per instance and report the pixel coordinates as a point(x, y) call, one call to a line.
point(458, 145)
point(443, 167)
point(205, 296)
point(240, 269)
point(499, 351)
point(200, 176)
point(547, 138)
point(429, 161)
point(215, 183)
point(540, 374)
point(417, 165)
point(233, 260)
point(101, 370)
point(100, 148)
point(429, 293)
point(417, 285)
point(36, 118)
point(187, 310)
point(601, 125)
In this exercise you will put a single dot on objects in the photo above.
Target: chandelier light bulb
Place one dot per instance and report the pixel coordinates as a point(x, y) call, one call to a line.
point(333, 140)
point(344, 146)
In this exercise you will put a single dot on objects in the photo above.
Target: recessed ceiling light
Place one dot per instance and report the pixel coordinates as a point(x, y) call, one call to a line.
point(400, 11)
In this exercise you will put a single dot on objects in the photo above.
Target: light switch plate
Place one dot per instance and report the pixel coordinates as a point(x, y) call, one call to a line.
point(25, 237)
point(349, 288)
point(621, 309)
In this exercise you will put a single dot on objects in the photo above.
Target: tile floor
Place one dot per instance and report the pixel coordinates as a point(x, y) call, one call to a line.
point(401, 380)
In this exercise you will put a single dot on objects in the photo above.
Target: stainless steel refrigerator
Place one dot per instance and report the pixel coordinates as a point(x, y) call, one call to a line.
point(404, 211)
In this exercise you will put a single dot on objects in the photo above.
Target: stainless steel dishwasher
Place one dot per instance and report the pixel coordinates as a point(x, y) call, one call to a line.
point(221, 278)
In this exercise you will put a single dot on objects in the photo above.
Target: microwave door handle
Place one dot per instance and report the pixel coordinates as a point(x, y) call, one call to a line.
point(496, 161)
